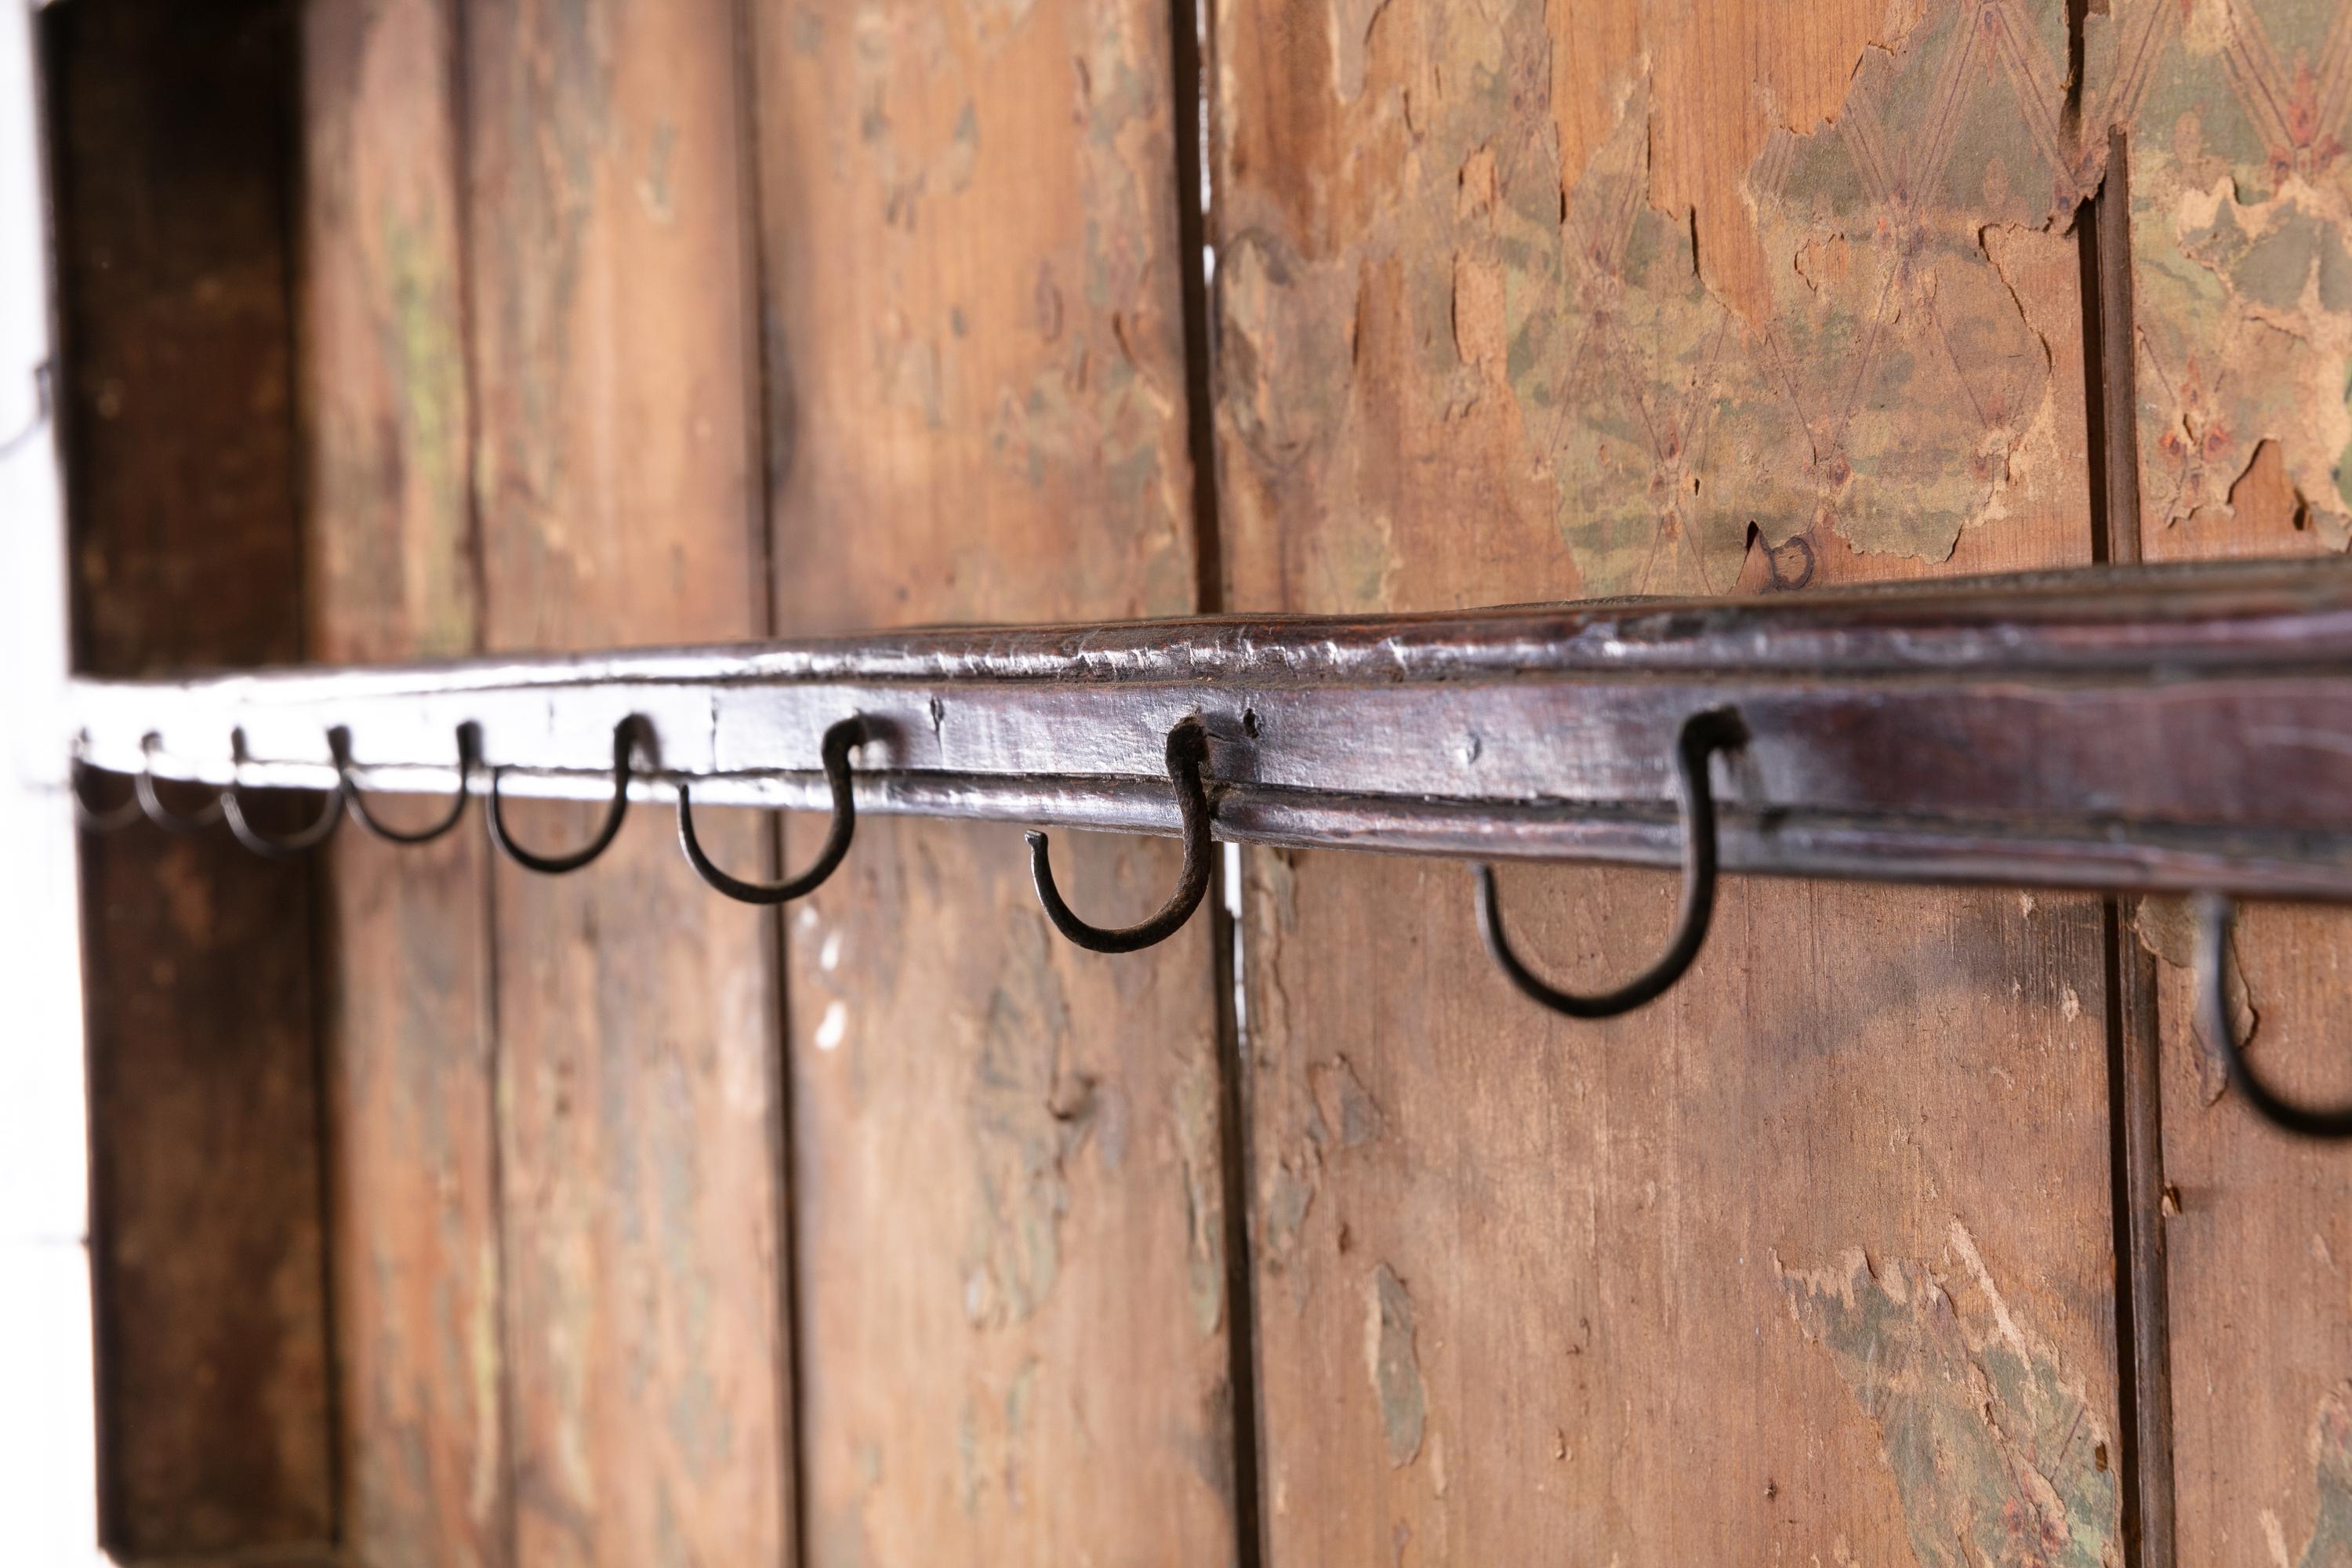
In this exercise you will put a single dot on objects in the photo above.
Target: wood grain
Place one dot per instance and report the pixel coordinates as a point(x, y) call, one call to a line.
point(170, 174)
point(420, 1360)
point(1855, 1166)
point(1008, 1182)
point(614, 480)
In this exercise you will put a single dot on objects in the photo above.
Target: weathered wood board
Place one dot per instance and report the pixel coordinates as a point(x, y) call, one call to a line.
point(170, 155)
point(1528, 303)
point(615, 481)
point(420, 1362)
point(2234, 117)
point(1008, 1186)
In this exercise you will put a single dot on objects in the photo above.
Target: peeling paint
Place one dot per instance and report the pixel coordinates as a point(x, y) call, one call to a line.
point(1345, 1115)
point(2331, 1474)
point(1896, 379)
point(2241, 244)
point(1199, 1149)
point(2167, 926)
point(1494, 295)
point(1025, 1123)
point(1997, 1454)
point(1393, 1365)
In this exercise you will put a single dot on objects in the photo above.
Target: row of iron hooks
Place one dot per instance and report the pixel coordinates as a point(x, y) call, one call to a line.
point(1701, 736)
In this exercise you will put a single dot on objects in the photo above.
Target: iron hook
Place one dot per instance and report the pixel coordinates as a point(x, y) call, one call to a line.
point(624, 737)
point(1702, 735)
point(2214, 918)
point(838, 742)
point(91, 818)
point(143, 788)
point(1188, 749)
point(339, 741)
point(331, 816)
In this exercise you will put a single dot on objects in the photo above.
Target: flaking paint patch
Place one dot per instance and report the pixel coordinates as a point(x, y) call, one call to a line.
point(1490, 296)
point(2242, 243)
point(1026, 1122)
point(2167, 926)
point(2331, 1472)
point(1393, 1365)
point(1997, 1454)
point(1198, 1150)
point(1896, 382)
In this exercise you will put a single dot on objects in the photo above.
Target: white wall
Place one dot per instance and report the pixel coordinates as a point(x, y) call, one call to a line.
point(47, 1450)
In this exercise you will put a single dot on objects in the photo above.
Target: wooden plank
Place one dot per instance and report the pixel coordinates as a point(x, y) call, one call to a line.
point(615, 481)
point(2238, 458)
point(169, 177)
point(420, 1362)
point(977, 411)
point(1508, 1267)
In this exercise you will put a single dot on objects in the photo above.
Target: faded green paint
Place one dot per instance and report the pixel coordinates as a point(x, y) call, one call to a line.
point(1893, 391)
point(2331, 1474)
point(2241, 220)
point(1394, 1367)
point(1439, 324)
point(1025, 1123)
point(1997, 1454)
point(1199, 1149)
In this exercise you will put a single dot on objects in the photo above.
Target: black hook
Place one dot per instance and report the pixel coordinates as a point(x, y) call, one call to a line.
point(624, 737)
point(142, 787)
point(2213, 922)
point(331, 816)
point(1188, 749)
point(339, 741)
point(91, 818)
point(1702, 734)
point(838, 741)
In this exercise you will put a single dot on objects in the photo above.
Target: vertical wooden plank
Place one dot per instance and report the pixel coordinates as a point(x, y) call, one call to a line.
point(2235, 119)
point(614, 479)
point(1812, 1260)
point(1007, 1152)
point(171, 157)
point(393, 576)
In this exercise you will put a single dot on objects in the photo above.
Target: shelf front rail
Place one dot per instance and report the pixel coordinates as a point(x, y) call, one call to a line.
point(2171, 730)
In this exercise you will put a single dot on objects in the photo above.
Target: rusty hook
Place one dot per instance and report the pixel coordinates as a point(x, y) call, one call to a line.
point(838, 742)
point(89, 818)
point(1702, 735)
point(1188, 750)
point(142, 787)
point(2214, 918)
point(624, 737)
point(331, 816)
point(339, 741)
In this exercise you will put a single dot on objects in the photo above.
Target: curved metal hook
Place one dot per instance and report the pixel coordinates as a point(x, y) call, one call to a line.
point(2213, 922)
point(1702, 734)
point(838, 741)
point(624, 737)
point(339, 741)
point(91, 818)
point(142, 787)
point(331, 816)
point(1188, 749)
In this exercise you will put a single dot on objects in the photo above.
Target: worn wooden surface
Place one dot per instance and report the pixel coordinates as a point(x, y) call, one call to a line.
point(2234, 118)
point(1508, 1267)
point(615, 483)
point(170, 162)
point(420, 1355)
point(1007, 1175)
